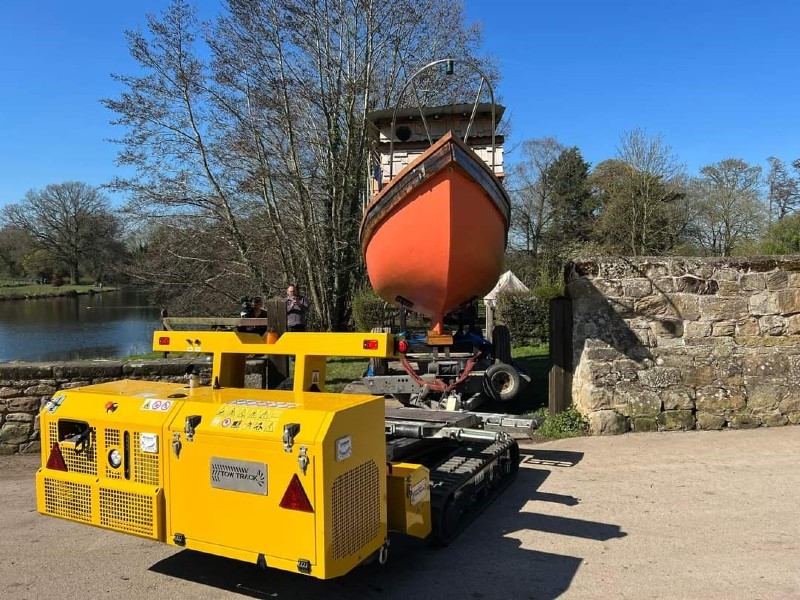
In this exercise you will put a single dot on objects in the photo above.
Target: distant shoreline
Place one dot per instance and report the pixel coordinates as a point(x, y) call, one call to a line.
point(67, 293)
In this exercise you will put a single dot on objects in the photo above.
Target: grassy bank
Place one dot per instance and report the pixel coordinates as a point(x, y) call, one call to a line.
point(22, 292)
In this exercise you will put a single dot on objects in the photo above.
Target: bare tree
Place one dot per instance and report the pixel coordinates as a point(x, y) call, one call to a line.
point(731, 209)
point(265, 144)
point(68, 220)
point(531, 190)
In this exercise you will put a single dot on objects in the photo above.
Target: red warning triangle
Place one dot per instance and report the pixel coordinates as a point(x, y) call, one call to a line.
point(56, 460)
point(295, 497)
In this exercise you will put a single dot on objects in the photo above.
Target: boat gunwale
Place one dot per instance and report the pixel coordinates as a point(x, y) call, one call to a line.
point(445, 152)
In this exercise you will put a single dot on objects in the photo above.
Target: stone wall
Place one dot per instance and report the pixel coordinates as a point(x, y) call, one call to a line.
point(683, 343)
point(25, 387)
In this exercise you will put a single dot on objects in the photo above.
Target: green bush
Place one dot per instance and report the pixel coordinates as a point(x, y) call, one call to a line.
point(527, 314)
point(549, 286)
point(527, 317)
point(569, 423)
point(368, 310)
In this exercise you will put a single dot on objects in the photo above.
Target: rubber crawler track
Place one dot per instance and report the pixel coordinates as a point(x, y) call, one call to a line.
point(467, 481)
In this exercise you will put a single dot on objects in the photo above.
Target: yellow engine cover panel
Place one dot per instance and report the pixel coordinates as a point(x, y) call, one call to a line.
point(294, 478)
point(227, 482)
point(89, 425)
point(229, 476)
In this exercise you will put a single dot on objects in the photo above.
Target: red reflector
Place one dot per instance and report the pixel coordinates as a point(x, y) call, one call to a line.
point(163, 341)
point(56, 460)
point(370, 344)
point(295, 497)
point(402, 346)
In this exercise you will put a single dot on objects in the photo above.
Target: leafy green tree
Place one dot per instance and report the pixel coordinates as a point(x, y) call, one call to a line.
point(783, 189)
point(263, 146)
point(14, 244)
point(572, 200)
point(551, 209)
point(70, 221)
point(41, 264)
point(642, 200)
point(783, 236)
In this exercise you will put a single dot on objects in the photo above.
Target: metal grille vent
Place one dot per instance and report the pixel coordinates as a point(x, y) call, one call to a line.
point(111, 439)
point(77, 462)
point(145, 464)
point(125, 511)
point(68, 500)
point(356, 504)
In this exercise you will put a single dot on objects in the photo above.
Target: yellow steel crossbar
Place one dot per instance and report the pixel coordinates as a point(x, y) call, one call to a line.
point(311, 351)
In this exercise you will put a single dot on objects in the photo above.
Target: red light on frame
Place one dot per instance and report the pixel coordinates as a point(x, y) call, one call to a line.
point(370, 344)
point(163, 341)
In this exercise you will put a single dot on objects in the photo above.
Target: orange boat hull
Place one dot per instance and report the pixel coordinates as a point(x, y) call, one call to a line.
point(440, 243)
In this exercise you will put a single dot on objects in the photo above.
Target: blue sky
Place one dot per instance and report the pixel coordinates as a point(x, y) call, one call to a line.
point(715, 79)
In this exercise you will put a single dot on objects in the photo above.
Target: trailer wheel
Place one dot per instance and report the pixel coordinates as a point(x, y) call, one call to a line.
point(502, 382)
point(501, 343)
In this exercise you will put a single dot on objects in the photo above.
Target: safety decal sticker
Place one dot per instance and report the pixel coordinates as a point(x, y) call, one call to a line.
point(261, 403)
point(344, 448)
point(418, 492)
point(148, 442)
point(156, 405)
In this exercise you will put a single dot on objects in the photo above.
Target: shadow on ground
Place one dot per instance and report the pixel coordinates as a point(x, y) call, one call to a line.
point(486, 561)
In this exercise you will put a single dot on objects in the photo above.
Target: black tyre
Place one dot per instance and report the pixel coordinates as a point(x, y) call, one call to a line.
point(502, 382)
point(501, 344)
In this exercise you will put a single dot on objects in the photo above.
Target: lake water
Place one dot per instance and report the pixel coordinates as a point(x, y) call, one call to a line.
point(107, 325)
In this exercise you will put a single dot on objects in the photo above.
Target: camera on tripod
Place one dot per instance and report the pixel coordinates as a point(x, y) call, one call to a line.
point(246, 309)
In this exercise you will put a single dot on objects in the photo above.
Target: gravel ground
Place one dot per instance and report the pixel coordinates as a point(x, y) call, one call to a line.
point(696, 515)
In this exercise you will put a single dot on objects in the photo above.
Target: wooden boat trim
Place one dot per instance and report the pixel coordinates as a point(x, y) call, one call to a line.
point(448, 150)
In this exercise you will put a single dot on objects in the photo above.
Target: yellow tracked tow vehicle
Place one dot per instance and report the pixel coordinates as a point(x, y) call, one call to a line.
point(296, 479)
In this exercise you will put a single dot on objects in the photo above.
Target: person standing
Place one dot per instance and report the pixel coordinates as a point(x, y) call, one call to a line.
point(296, 310)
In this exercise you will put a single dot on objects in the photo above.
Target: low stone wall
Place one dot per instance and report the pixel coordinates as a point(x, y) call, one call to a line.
point(26, 387)
point(679, 343)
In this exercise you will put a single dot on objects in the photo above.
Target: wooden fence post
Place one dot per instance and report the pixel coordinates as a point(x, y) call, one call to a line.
point(560, 375)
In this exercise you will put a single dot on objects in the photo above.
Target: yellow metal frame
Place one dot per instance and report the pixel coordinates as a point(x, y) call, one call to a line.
point(231, 453)
point(311, 351)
